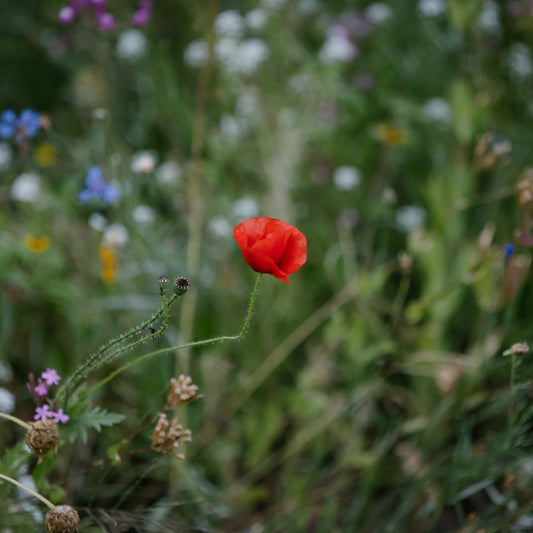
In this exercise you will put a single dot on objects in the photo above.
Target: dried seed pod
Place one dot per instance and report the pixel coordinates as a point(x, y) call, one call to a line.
point(42, 436)
point(62, 519)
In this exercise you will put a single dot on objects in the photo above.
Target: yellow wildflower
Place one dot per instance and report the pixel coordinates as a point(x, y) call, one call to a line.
point(45, 154)
point(109, 260)
point(35, 244)
point(389, 134)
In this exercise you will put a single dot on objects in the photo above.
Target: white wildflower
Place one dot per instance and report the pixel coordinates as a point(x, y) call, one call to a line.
point(115, 236)
point(229, 23)
point(378, 12)
point(143, 214)
point(196, 53)
point(26, 187)
point(256, 19)
point(97, 221)
point(410, 217)
point(437, 109)
point(143, 161)
point(219, 227)
point(168, 172)
point(245, 207)
point(7, 401)
point(346, 178)
point(131, 44)
point(432, 8)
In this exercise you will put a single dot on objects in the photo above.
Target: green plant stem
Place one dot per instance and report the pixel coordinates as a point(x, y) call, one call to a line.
point(195, 186)
point(16, 420)
point(193, 344)
point(98, 359)
point(29, 491)
point(512, 392)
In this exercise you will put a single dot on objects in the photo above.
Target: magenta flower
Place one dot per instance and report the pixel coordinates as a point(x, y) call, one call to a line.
point(60, 416)
point(51, 377)
point(43, 413)
point(143, 14)
point(41, 389)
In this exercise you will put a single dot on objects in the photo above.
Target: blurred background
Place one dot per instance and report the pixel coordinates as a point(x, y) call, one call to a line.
point(370, 394)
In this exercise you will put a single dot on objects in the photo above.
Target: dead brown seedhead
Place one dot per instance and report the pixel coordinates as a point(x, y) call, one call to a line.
point(42, 436)
point(168, 436)
point(62, 519)
point(182, 390)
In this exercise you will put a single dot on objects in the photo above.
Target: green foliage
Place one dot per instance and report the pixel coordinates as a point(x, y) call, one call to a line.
point(370, 394)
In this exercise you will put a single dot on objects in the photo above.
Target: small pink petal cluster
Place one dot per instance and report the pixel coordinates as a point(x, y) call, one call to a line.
point(39, 390)
point(104, 19)
point(44, 412)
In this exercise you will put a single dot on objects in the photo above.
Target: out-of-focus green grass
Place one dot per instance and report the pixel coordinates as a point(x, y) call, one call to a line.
point(370, 393)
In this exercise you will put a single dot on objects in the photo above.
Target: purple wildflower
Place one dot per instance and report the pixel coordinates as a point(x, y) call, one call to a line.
point(105, 21)
point(66, 15)
point(27, 125)
point(43, 413)
point(60, 416)
point(51, 377)
point(143, 14)
point(97, 188)
point(41, 389)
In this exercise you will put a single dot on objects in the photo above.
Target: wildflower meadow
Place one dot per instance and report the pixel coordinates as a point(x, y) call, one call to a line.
point(266, 266)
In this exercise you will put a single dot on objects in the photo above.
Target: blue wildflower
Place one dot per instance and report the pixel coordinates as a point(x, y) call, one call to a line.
point(508, 251)
point(97, 188)
point(27, 125)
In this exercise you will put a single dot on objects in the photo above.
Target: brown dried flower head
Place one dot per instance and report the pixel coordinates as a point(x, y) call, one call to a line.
point(42, 436)
point(168, 436)
point(181, 391)
point(62, 519)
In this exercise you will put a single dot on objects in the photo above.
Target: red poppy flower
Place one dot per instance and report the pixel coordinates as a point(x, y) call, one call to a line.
point(271, 246)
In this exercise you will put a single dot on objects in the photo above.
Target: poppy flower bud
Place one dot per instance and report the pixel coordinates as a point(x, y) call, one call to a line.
point(181, 286)
point(62, 519)
point(163, 282)
point(271, 246)
point(42, 436)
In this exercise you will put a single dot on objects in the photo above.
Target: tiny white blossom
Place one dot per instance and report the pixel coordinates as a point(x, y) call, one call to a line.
point(131, 44)
point(97, 221)
point(256, 18)
point(337, 48)
point(168, 172)
point(196, 53)
point(432, 8)
point(437, 109)
point(226, 51)
point(346, 178)
point(115, 235)
point(252, 52)
point(143, 161)
point(6, 156)
point(245, 207)
point(410, 217)
point(143, 214)
point(489, 18)
point(219, 227)
point(26, 187)
point(378, 12)
point(232, 127)
point(229, 23)
point(7, 401)
point(520, 61)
